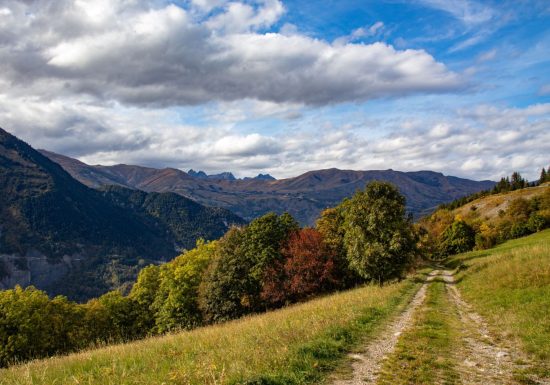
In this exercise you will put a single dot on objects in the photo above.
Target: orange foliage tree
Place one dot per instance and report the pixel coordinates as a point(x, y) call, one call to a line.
point(308, 268)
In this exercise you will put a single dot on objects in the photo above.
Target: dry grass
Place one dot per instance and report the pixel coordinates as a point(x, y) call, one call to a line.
point(294, 345)
point(487, 208)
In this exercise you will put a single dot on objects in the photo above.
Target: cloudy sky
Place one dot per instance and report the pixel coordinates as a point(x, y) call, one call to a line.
point(457, 86)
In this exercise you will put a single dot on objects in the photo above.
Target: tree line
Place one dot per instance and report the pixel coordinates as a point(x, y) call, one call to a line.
point(504, 185)
point(267, 264)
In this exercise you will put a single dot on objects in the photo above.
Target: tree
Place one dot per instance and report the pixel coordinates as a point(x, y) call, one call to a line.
point(458, 238)
point(33, 326)
point(517, 182)
point(232, 284)
point(144, 293)
point(177, 298)
point(308, 269)
point(543, 176)
point(331, 227)
point(378, 238)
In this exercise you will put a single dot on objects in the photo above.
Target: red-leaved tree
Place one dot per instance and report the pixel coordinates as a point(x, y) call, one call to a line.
point(308, 268)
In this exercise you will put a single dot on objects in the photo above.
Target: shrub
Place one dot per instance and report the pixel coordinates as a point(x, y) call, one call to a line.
point(458, 238)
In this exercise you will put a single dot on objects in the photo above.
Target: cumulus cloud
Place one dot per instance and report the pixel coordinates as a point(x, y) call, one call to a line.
point(483, 142)
point(139, 54)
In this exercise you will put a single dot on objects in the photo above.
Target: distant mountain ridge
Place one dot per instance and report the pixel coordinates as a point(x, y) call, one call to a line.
point(225, 176)
point(64, 237)
point(303, 196)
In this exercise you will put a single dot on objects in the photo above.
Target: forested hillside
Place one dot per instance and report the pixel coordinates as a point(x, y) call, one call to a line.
point(67, 238)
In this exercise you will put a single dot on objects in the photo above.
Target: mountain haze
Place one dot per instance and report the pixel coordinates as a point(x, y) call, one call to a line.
point(303, 196)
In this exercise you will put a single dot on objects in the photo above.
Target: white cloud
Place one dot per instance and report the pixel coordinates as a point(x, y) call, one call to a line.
point(167, 56)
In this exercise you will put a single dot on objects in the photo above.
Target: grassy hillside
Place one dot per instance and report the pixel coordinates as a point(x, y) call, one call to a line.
point(488, 208)
point(296, 345)
point(510, 286)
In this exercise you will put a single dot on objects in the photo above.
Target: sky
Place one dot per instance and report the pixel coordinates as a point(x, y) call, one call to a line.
point(460, 87)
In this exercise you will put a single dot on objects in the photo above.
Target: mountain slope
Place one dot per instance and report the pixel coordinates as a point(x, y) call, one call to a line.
point(303, 196)
point(61, 235)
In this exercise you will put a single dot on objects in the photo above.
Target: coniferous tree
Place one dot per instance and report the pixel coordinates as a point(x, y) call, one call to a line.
point(543, 176)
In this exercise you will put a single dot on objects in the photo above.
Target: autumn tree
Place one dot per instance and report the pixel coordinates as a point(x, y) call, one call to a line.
point(308, 269)
point(378, 237)
point(232, 284)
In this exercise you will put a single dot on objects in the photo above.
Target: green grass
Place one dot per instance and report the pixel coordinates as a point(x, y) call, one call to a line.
point(510, 286)
point(296, 345)
point(424, 353)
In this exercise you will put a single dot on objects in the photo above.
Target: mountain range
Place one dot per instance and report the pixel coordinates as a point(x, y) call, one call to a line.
point(67, 238)
point(304, 196)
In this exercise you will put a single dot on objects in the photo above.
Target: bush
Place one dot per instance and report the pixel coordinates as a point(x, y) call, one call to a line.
point(458, 238)
point(536, 223)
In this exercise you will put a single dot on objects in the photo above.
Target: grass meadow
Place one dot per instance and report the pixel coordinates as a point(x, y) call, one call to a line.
point(296, 345)
point(510, 286)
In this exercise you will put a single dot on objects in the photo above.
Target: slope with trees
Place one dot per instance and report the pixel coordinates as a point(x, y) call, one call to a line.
point(67, 238)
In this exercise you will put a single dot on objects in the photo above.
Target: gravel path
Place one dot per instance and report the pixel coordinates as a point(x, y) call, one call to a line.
point(482, 360)
point(367, 364)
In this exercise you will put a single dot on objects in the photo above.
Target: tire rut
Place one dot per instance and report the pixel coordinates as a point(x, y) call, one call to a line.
point(367, 364)
point(482, 359)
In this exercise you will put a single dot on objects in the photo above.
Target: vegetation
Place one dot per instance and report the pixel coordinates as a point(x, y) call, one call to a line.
point(296, 345)
point(265, 265)
point(506, 184)
point(510, 286)
point(378, 238)
point(485, 222)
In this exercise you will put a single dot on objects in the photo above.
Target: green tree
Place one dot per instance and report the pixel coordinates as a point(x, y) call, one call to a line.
point(233, 283)
point(331, 226)
point(177, 299)
point(543, 176)
point(458, 238)
point(33, 326)
point(517, 181)
point(144, 293)
point(378, 238)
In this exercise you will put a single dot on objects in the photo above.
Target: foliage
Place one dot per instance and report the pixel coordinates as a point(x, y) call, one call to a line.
point(177, 297)
point(458, 238)
point(32, 325)
point(233, 283)
point(297, 345)
point(308, 269)
point(378, 239)
point(330, 225)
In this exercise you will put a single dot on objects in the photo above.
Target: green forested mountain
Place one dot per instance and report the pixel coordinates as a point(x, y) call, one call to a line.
point(67, 238)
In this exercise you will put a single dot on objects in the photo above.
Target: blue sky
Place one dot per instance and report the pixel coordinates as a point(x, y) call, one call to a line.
point(456, 86)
